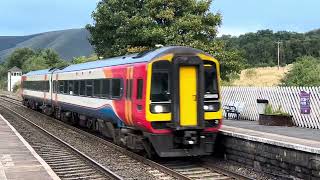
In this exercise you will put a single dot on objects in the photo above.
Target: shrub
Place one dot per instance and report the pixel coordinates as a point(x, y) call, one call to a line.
point(250, 73)
point(16, 87)
point(269, 111)
point(305, 72)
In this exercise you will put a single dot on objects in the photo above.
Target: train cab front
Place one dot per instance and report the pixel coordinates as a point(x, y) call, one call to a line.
point(183, 104)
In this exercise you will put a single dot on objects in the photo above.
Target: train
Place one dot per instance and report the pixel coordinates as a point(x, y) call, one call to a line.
point(164, 102)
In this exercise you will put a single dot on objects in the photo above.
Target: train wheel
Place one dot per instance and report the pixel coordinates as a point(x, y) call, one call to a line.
point(74, 119)
point(91, 123)
point(117, 137)
point(57, 113)
point(63, 117)
point(96, 127)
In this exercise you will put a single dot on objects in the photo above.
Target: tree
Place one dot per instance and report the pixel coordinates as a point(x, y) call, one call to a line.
point(129, 26)
point(83, 59)
point(35, 63)
point(122, 26)
point(232, 63)
point(51, 57)
point(18, 57)
point(305, 72)
point(3, 76)
point(260, 49)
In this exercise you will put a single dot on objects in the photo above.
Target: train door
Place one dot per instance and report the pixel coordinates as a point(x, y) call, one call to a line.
point(138, 93)
point(187, 87)
point(128, 95)
point(188, 95)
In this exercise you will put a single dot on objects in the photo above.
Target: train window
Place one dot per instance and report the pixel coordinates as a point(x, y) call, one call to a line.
point(211, 80)
point(97, 87)
point(82, 88)
point(65, 87)
point(115, 88)
point(76, 88)
point(160, 84)
point(37, 85)
point(40, 85)
point(129, 88)
point(89, 88)
point(139, 88)
point(24, 84)
point(46, 86)
point(71, 91)
point(105, 88)
point(54, 88)
point(61, 86)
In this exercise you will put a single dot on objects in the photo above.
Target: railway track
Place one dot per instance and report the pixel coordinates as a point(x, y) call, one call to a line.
point(67, 162)
point(179, 169)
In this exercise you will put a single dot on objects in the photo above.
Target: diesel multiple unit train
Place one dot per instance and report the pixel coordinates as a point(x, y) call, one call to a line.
point(164, 102)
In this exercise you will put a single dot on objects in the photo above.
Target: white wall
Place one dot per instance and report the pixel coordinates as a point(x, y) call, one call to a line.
point(13, 78)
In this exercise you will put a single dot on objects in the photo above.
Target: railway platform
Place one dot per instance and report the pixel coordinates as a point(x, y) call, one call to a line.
point(18, 160)
point(302, 139)
point(285, 152)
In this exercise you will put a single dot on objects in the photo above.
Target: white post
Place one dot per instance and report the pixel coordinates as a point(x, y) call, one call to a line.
point(9, 81)
point(279, 42)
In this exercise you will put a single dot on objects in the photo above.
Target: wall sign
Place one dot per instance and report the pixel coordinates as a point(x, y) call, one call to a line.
point(305, 102)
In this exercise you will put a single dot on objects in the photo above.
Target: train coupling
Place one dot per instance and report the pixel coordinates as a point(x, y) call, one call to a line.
point(190, 138)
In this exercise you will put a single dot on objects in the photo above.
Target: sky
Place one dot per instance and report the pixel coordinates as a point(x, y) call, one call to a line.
point(24, 17)
point(242, 16)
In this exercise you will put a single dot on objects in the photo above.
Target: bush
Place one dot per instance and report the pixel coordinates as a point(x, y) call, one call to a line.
point(250, 73)
point(269, 111)
point(16, 87)
point(305, 72)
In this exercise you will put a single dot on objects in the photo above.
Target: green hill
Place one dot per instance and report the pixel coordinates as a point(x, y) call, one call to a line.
point(68, 43)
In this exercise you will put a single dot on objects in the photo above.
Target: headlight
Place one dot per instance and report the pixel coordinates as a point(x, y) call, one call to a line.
point(160, 108)
point(211, 107)
point(208, 107)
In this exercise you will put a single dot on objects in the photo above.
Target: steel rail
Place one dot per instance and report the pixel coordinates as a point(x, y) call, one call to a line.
point(140, 158)
point(101, 167)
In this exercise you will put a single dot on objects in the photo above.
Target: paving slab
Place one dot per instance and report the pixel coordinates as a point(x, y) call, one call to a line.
point(303, 139)
point(18, 160)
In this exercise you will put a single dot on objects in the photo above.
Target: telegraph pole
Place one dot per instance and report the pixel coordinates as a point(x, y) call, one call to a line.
point(278, 42)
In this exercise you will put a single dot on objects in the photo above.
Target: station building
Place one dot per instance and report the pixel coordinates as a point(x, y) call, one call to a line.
point(14, 77)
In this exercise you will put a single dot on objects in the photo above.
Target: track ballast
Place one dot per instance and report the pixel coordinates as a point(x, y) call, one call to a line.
point(178, 169)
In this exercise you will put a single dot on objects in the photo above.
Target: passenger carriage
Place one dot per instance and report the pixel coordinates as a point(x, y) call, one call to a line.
point(165, 101)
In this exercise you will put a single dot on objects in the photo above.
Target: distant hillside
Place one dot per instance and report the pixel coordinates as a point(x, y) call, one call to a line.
point(68, 43)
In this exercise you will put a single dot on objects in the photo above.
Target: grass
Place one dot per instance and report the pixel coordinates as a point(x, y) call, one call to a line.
point(264, 76)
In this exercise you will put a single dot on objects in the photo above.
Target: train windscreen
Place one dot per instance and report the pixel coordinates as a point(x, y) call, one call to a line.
point(211, 80)
point(160, 87)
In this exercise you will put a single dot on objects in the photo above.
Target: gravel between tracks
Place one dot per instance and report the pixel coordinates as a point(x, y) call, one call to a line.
point(107, 156)
point(49, 148)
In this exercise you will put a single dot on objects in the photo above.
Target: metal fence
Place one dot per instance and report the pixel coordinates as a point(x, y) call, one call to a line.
point(286, 97)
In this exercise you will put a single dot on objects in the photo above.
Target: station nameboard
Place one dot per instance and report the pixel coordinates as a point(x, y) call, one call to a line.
point(305, 102)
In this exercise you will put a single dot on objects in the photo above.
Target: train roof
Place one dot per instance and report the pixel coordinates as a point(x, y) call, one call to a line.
point(122, 60)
